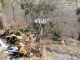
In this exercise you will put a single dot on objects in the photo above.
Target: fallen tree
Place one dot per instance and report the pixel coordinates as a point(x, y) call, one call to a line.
point(28, 49)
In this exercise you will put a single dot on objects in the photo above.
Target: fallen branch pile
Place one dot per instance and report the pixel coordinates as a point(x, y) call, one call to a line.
point(27, 49)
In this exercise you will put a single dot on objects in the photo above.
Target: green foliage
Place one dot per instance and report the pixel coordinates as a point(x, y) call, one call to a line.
point(55, 38)
point(23, 5)
point(56, 34)
point(3, 3)
point(45, 7)
point(36, 25)
point(42, 6)
point(27, 11)
point(78, 20)
point(22, 29)
point(51, 23)
point(78, 11)
point(49, 7)
point(27, 6)
point(43, 25)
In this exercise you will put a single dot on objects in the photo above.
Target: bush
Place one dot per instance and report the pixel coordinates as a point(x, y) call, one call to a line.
point(42, 6)
point(36, 26)
point(27, 12)
point(55, 38)
point(57, 34)
point(22, 30)
point(49, 7)
point(23, 5)
point(78, 11)
point(51, 24)
point(3, 3)
point(27, 6)
point(78, 20)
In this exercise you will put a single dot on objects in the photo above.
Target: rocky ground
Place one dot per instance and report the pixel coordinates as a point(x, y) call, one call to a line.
point(69, 51)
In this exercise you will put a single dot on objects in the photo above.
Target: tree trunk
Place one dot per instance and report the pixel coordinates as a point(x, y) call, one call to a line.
point(2, 18)
point(13, 10)
point(77, 7)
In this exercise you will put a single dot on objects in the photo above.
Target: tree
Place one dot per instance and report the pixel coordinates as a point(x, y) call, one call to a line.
point(35, 11)
point(2, 18)
point(78, 10)
point(13, 9)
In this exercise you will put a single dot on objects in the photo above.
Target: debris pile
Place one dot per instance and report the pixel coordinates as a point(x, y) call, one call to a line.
point(17, 48)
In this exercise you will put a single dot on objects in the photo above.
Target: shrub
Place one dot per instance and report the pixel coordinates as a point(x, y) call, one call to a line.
point(42, 6)
point(3, 3)
point(27, 6)
point(22, 30)
point(27, 12)
point(57, 34)
point(78, 20)
point(51, 24)
point(78, 11)
point(36, 26)
point(23, 5)
point(55, 38)
point(49, 7)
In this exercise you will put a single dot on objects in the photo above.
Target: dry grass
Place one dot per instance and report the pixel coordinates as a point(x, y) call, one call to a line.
point(76, 49)
point(3, 56)
point(15, 25)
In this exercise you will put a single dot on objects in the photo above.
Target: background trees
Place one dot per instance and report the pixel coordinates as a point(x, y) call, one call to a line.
point(38, 12)
point(63, 16)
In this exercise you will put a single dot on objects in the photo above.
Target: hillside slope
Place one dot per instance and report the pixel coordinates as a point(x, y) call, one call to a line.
point(69, 51)
point(64, 15)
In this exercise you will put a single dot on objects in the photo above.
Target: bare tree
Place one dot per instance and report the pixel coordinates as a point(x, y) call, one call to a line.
point(13, 8)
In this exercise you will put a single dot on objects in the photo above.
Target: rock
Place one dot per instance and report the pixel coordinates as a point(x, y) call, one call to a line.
point(49, 49)
point(61, 42)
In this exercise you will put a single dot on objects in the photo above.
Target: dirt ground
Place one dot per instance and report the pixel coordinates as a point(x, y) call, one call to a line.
point(15, 25)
